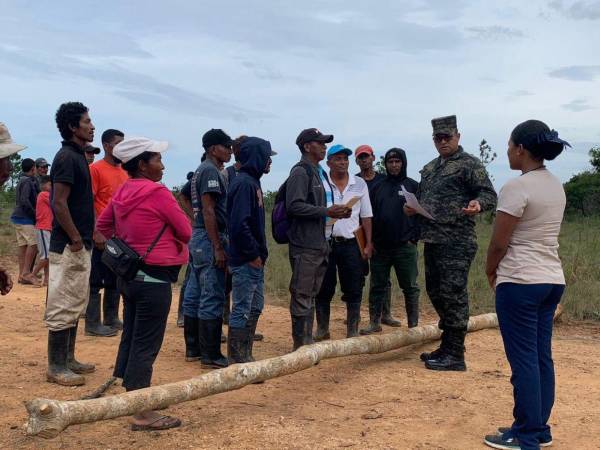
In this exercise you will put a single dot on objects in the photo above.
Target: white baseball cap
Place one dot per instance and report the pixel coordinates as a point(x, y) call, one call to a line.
point(131, 147)
point(7, 146)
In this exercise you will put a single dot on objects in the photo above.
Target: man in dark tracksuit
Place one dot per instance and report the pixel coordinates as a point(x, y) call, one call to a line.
point(247, 251)
point(395, 239)
point(308, 249)
point(454, 188)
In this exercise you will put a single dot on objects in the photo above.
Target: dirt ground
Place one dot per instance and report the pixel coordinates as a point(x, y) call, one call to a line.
point(374, 401)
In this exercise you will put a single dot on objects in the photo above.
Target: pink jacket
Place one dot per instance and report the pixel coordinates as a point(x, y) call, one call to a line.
point(140, 208)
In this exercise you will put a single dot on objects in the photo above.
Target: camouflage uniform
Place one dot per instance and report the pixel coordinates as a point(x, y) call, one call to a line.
point(447, 186)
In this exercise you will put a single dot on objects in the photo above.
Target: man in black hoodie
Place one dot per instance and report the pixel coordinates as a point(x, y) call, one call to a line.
point(247, 251)
point(395, 240)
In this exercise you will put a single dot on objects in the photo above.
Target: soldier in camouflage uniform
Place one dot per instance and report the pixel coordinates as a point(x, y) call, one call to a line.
point(454, 188)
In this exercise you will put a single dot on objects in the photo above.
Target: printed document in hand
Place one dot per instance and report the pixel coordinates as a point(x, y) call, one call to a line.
point(350, 205)
point(412, 202)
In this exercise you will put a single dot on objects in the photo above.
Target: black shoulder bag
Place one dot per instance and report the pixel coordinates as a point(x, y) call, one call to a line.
point(121, 259)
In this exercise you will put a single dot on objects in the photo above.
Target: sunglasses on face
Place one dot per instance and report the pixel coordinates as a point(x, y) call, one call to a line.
point(438, 138)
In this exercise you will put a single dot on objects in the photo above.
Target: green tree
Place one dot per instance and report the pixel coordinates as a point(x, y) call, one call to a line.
point(595, 158)
point(487, 156)
point(380, 166)
point(16, 160)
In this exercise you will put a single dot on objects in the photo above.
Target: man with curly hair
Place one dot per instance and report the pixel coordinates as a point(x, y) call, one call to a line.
point(70, 245)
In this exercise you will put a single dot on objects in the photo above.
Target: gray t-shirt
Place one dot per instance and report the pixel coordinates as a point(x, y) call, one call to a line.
point(209, 180)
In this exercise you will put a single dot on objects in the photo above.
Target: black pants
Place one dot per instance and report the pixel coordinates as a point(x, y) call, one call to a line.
point(100, 275)
point(145, 310)
point(345, 259)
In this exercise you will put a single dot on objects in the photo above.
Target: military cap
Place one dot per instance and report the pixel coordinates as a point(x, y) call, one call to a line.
point(444, 125)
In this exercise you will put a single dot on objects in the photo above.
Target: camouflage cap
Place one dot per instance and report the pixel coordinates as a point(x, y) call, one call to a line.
point(444, 125)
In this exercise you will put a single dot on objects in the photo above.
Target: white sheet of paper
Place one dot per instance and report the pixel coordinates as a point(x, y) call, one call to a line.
point(411, 201)
point(349, 204)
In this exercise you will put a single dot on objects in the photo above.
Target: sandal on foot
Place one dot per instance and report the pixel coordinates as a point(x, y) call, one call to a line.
point(161, 423)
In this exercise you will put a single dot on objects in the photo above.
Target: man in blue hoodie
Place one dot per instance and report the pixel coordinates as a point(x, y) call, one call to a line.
point(247, 252)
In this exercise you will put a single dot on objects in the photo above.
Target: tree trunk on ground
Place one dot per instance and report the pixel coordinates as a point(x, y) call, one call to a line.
point(47, 418)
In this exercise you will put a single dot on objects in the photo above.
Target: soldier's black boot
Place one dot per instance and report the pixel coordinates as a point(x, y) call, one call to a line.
point(238, 343)
point(453, 358)
point(352, 319)
point(191, 337)
point(58, 349)
point(93, 325)
point(386, 317)
point(307, 338)
point(72, 363)
point(110, 307)
point(437, 352)
point(209, 333)
point(412, 312)
point(322, 311)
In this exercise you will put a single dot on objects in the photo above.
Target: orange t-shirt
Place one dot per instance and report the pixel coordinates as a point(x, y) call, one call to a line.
point(106, 179)
point(43, 212)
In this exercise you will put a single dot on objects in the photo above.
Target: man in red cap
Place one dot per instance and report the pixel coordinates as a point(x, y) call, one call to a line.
point(365, 159)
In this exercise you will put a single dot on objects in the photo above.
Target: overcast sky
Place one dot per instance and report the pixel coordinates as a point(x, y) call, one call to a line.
point(370, 72)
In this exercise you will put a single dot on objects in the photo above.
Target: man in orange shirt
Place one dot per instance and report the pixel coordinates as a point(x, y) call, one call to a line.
point(107, 178)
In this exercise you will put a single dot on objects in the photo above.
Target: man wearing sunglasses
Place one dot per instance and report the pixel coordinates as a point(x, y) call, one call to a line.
point(454, 188)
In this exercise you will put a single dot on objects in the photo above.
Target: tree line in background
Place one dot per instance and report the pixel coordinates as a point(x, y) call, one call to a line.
point(582, 190)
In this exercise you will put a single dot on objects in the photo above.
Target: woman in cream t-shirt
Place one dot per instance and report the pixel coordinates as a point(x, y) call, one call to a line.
point(524, 268)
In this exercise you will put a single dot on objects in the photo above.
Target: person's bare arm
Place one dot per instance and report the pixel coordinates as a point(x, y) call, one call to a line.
point(186, 205)
point(212, 229)
point(63, 216)
point(504, 227)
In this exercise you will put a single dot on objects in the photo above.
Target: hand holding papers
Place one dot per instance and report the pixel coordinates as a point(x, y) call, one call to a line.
point(347, 206)
point(412, 202)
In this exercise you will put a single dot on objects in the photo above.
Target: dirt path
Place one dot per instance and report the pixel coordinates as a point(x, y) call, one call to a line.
point(379, 401)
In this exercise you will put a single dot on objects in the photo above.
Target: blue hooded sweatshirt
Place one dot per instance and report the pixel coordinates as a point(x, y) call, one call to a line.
point(245, 206)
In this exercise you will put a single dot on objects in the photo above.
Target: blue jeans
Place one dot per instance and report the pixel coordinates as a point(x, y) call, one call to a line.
point(525, 315)
point(247, 294)
point(204, 296)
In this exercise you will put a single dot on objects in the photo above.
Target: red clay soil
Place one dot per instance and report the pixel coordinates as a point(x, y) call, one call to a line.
point(373, 401)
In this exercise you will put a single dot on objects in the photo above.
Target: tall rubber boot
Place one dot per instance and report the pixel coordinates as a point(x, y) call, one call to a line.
point(110, 308)
point(307, 338)
point(352, 319)
point(93, 326)
point(323, 311)
point(238, 345)
point(251, 324)
point(209, 333)
point(191, 338)
point(375, 312)
point(412, 311)
point(72, 363)
point(298, 331)
point(58, 349)
point(386, 317)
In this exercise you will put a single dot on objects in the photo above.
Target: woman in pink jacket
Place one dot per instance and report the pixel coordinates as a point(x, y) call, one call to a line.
point(136, 214)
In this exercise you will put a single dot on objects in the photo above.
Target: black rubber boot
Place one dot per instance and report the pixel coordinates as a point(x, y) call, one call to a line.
point(251, 324)
point(323, 311)
point(72, 363)
point(58, 350)
point(191, 337)
point(298, 331)
point(307, 338)
point(110, 308)
point(238, 340)
point(386, 316)
point(209, 333)
point(412, 312)
point(352, 319)
point(93, 326)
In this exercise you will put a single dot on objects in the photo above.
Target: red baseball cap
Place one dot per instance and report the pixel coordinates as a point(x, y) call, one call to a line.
point(362, 149)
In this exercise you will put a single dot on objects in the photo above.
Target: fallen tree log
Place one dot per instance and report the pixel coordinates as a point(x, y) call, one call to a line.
point(47, 418)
